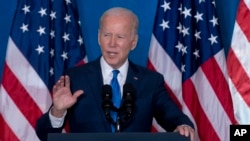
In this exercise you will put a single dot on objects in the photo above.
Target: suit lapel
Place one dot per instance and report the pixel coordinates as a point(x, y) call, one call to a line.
point(96, 83)
point(134, 75)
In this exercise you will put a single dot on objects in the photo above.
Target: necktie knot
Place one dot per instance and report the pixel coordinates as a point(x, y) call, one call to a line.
point(115, 73)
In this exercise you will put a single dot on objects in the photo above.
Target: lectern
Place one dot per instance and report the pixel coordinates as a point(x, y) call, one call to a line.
point(169, 136)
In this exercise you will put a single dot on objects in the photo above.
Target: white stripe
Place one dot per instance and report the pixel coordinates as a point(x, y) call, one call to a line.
point(169, 71)
point(28, 77)
point(247, 2)
point(241, 109)
point(14, 118)
point(221, 61)
point(211, 105)
point(241, 48)
point(164, 65)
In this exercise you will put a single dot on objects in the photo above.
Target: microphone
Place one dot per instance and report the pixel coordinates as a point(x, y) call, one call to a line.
point(129, 100)
point(107, 103)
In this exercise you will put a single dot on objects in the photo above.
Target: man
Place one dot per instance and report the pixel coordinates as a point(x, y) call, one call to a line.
point(78, 99)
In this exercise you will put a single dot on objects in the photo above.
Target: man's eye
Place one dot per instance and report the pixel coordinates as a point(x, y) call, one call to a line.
point(121, 37)
point(106, 34)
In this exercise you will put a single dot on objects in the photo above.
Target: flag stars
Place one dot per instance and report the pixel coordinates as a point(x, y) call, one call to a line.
point(197, 35)
point(52, 15)
point(67, 18)
point(166, 6)
point(196, 54)
point(184, 31)
point(68, 1)
point(186, 12)
point(179, 46)
point(42, 12)
point(39, 49)
point(64, 56)
point(26, 9)
point(179, 27)
point(52, 34)
point(164, 24)
point(200, 1)
point(184, 50)
point(183, 68)
point(198, 16)
point(41, 30)
point(212, 39)
point(24, 27)
point(52, 52)
point(65, 37)
point(180, 8)
point(214, 21)
point(51, 71)
point(213, 2)
point(80, 40)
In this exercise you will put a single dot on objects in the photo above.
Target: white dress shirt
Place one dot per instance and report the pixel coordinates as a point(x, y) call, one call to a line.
point(107, 76)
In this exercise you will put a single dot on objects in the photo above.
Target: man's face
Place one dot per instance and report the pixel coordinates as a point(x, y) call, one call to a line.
point(116, 38)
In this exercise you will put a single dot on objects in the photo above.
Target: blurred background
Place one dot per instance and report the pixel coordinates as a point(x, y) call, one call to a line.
point(90, 11)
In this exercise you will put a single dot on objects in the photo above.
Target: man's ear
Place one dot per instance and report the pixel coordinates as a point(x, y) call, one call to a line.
point(98, 36)
point(135, 42)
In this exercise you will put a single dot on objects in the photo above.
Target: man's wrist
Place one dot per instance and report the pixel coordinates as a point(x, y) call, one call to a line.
point(57, 113)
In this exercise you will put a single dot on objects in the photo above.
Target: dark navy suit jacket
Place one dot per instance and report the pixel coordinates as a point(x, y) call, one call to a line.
point(87, 115)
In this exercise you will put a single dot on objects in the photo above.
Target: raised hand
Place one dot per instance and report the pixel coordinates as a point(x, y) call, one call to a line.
point(62, 96)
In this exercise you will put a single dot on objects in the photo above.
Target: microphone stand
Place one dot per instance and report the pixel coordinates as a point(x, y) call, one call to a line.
point(118, 124)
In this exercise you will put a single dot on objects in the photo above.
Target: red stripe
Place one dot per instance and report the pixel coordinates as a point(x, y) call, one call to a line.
point(238, 76)
point(171, 93)
point(243, 18)
point(205, 129)
point(220, 86)
point(20, 96)
point(153, 129)
point(6, 133)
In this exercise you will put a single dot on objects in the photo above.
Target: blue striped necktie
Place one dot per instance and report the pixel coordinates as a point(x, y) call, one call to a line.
point(116, 95)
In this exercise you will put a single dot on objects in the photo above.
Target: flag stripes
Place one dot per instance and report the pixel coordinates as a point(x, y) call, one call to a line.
point(14, 83)
point(238, 63)
point(24, 131)
point(39, 51)
point(243, 15)
point(193, 65)
point(37, 89)
point(204, 127)
point(7, 133)
point(13, 88)
point(202, 109)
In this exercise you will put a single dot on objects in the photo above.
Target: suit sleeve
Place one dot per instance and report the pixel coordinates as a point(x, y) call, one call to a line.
point(167, 113)
point(44, 127)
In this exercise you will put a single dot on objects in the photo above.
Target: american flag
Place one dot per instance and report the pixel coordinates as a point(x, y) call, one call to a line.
point(186, 48)
point(45, 40)
point(239, 65)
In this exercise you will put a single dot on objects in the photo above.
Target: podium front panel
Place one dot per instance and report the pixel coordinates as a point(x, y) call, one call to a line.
point(169, 136)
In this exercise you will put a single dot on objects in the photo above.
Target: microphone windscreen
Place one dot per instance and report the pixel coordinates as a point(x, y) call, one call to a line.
point(128, 91)
point(106, 91)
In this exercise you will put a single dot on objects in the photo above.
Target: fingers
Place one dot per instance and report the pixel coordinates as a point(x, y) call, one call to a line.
point(63, 81)
point(66, 81)
point(185, 130)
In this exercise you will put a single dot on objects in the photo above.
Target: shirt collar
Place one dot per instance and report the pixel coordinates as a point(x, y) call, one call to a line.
point(107, 69)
